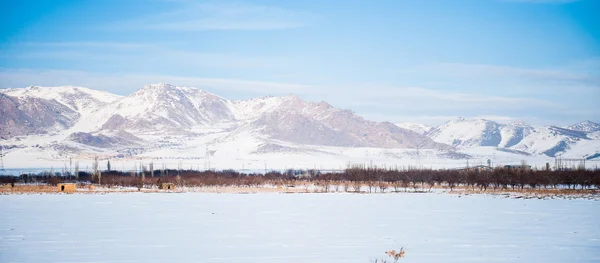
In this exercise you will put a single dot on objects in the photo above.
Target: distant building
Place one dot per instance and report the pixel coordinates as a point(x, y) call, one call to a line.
point(167, 186)
point(517, 167)
point(481, 168)
point(67, 188)
point(478, 168)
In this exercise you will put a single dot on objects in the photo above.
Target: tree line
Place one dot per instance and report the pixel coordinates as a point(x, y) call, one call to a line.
point(356, 178)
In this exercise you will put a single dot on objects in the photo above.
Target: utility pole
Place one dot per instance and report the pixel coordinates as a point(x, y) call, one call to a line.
point(419, 154)
point(77, 170)
point(1, 158)
point(206, 159)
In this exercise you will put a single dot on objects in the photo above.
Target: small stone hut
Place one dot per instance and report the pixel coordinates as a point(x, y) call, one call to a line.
point(67, 188)
point(167, 186)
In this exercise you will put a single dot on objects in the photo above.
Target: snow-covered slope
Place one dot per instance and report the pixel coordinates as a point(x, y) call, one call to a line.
point(518, 136)
point(416, 127)
point(464, 133)
point(164, 106)
point(105, 139)
point(550, 140)
point(512, 134)
point(586, 126)
point(76, 98)
point(318, 123)
point(39, 110)
point(31, 115)
point(248, 110)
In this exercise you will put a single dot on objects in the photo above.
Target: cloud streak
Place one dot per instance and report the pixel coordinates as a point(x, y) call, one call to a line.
point(513, 79)
point(542, 1)
point(85, 44)
point(486, 71)
point(368, 101)
point(189, 16)
point(125, 84)
point(361, 94)
point(131, 56)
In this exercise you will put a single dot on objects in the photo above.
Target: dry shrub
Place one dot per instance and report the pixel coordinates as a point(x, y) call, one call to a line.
point(346, 186)
point(395, 254)
point(383, 186)
point(54, 180)
point(356, 185)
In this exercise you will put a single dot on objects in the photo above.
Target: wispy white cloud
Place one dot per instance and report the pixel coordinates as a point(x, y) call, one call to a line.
point(190, 16)
point(434, 120)
point(431, 99)
point(360, 95)
point(542, 1)
point(576, 77)
point(132, 56)
point(125, 84)
point(85, 44)
point(487, 71)
point(376, 102)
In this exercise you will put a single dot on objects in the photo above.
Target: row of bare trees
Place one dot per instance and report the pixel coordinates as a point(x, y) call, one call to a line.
point(369, 179)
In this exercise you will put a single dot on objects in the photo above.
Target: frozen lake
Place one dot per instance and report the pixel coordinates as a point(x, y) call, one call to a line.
point(194, 227)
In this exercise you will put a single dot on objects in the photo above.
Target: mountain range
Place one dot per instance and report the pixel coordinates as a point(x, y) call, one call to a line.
point(162, 121)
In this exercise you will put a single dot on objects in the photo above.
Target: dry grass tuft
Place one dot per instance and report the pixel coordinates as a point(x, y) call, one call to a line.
point(395, 255)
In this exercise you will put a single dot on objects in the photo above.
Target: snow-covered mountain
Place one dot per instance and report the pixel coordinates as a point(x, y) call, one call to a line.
point(302, 122)
point(162, 120)
point(517, 136)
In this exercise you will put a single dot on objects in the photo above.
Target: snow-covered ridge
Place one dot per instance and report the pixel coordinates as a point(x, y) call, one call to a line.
point(253, 108)
point(547, 140)
point(416, 127)
point(462, 132)
point(76, 98)
point(586, 126)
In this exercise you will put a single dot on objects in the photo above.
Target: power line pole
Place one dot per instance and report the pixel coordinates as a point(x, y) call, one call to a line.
point(1, 158)
point(206, 159)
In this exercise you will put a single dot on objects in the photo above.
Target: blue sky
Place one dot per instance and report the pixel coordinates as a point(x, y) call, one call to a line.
point(420, 61)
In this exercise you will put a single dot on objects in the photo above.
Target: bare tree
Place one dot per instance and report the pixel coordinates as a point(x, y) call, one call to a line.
point(76, 169)
point(383, 186)
point(97, 175)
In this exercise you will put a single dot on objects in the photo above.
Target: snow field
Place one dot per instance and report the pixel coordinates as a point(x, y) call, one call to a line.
point(194, 227)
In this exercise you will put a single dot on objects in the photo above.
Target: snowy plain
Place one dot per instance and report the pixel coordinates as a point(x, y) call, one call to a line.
point(193, 227)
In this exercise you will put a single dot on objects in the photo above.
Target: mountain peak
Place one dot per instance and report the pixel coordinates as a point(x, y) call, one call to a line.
point(416, 127)
point(157, 90)
point(292, 97)
point(159, 86)
point(165, 89)
point(588, 122)
point(585, 126)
